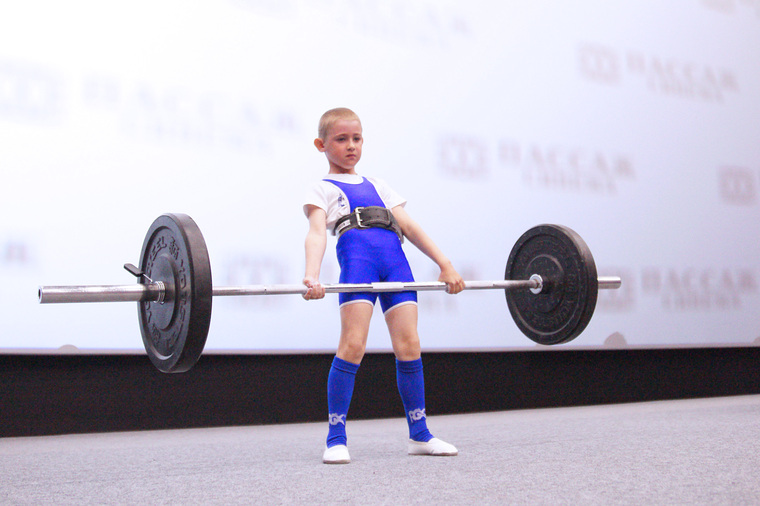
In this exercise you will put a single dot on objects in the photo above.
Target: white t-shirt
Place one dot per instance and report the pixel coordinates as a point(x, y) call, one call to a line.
point(334, 202)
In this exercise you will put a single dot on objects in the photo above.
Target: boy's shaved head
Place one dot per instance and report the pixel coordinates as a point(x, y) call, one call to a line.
point(329, 118)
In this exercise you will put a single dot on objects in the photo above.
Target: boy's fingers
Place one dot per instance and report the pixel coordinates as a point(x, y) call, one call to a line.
point(458, 287)
point(315, 290)
point(454, 287)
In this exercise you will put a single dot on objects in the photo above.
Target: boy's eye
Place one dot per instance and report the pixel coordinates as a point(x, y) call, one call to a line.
point(344, 138)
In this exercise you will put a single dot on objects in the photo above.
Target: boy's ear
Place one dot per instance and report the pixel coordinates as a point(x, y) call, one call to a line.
point(320, 144)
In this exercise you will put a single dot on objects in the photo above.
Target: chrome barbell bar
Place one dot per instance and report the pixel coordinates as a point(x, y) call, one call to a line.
point(157, 292)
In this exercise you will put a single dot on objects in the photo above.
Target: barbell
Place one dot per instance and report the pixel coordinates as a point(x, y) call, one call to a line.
point(550, 283)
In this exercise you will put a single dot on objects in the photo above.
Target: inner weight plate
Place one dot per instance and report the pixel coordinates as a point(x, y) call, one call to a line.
point(174, 332)
point(567, 301)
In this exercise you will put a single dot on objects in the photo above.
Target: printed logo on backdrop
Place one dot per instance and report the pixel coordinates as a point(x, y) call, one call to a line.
point(15, 253)
point(184, 116)
point(440, 303)
point(465, 157)
point(257, 270)
point(733, 6)
point(266, 269)
point(173, 115)
point(738, 185)
point(662, 75)
point(692, 289)
point(29, 92)
point(425, 23)
point(575, 169)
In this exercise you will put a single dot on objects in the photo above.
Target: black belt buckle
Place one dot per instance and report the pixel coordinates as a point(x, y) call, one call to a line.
point(374, 216)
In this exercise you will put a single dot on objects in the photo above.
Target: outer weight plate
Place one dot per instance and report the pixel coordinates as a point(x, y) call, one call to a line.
point(174, 332)
point(567, 301)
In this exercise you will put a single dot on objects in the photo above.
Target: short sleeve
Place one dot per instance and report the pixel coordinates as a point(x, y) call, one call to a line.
point(317, 196)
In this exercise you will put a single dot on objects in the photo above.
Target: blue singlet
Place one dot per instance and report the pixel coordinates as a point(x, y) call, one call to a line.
point(370, 255)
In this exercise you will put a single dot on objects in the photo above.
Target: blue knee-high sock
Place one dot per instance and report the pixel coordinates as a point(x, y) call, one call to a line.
point(411, 386)
point(340, 387)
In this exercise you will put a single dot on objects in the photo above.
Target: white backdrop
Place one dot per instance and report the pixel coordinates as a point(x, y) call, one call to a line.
point(636, 123)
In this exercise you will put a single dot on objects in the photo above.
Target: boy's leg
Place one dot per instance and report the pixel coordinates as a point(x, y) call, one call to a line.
point(411, 386)
point(354, 328)
point(340, 381)
point(340, 388)
point(402, 323)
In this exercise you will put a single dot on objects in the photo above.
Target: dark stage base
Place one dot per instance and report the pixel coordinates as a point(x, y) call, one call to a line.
point(64, 394)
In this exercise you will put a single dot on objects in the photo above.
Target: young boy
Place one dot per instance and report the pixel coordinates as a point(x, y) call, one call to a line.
point(368, 250)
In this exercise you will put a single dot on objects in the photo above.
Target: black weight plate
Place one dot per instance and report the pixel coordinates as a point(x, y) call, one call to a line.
point(563, 308)
point(174, 332)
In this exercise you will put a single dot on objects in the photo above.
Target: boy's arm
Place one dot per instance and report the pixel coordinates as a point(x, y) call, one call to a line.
point(413, 231)
point(316, 242)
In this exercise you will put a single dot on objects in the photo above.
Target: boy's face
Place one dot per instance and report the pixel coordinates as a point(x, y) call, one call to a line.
point(342, 146)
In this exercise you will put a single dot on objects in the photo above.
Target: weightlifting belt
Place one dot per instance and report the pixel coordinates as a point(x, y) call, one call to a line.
point(369, 217)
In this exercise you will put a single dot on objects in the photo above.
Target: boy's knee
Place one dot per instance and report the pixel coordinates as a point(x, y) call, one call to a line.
point(407, 349)
point(351, 350)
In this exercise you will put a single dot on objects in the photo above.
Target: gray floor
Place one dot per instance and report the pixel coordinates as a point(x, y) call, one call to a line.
point(704, 451)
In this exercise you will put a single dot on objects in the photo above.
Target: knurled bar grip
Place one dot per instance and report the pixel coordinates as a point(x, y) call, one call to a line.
point(155, 292)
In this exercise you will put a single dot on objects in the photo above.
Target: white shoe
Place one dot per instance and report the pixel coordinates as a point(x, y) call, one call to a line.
point(337, 454)
point(433, 447)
